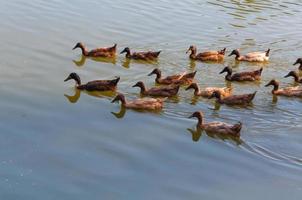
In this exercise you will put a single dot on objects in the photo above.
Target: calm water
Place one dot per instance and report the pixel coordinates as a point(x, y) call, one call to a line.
point(57, 143)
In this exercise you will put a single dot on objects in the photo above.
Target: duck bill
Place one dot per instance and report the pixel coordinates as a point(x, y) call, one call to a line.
point(76, 46)
point(67, 79)
point(124, 51)
point(135, 85)
point(188, 51)
point(150, 74)
point(286, 76)
point(189, 87)
point(267, 85)
point(191, 116)
point(114, 100)
point(230, 54)
point(296, 63)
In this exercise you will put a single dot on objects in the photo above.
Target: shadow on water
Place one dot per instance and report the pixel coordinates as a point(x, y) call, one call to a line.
point(123, 110)
point(77, 94)
point(197, 133)
point(127, 62)
point(82, 60)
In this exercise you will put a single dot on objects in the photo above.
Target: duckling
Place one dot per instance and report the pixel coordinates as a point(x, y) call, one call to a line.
point(217, 127)
point(149, 55)
point(242, 99)
point(295, 75)
point(97, 85)
point(299, 61)
point(251, 57)
point(164, 91)
point(108, 52)
point(140, 104)
point(206, 56)
point(181, 79)
point(287, 91)
point(242, 76)
point(207, 92)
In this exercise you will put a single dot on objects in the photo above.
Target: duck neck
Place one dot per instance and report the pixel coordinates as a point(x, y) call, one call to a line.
point(237, 56)
point(197, 91)
point(275, 89)
point(300, 67)
point(200, 122)
point(84, 50)
point(128, 54)
point(228, 76)
point(158, 77)
point(143, 88)
point(193, 53)
point(123, 100)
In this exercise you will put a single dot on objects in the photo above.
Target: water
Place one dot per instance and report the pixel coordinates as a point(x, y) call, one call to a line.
point(57, 143)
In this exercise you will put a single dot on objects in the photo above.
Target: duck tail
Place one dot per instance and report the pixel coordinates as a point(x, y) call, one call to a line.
point(115, 81)
point(222, 51)
point(253, 95)
point(237, 127)
point(267, 52)
point(157, 53)
point(260, 70)
point(190, 75)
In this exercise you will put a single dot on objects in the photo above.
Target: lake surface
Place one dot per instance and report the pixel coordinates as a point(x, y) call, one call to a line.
point(58, 143)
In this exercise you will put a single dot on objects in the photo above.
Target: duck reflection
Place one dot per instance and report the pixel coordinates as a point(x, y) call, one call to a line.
point(121, 113)
point(197, 133)
point(77, 94)
point(126, 62)
point(83, 58)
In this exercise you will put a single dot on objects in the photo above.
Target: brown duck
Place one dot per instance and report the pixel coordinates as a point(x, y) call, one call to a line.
point(141, 103)
point(149, 55)
point(295, 75)
point(242, 76)
point(299, 61)
point(287, 91)
point(97, 85)
point(164, 91)
point(108, 52)
point(217, 127)
point(242, 99)
point(207, 92)
point(180, 79)
point(206, 56)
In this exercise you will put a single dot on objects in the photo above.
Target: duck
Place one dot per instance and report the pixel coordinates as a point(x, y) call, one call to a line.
point(97, 85)
point(206, 56)
point(164, 91)
point(207, 92)
point(140, 103)
point(108, 52)
point(242, 99)
point(149, 55)
point(295, 75)
point(299, 61)
point(181, 79)
point(217, 127)
point(242, 76)
point(251, 57)
point(287, 91)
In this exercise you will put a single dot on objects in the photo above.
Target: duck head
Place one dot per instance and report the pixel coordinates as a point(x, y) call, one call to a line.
point(274, 83)
point(235, 52)
point(293, 74)
point(75, 77)
point(78, 45)
point(193, 86)
point(192, 48)
point(215, 94)
point(157, 72)
point(141, 85)
point(227, 69)
point(299, 61)
point(119, 97)
point(126, 50)
point(199, 116)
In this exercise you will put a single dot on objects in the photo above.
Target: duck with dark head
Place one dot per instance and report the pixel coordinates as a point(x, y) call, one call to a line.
point(214, 56)
point(217, 127)
point(163, 91)
point(97, 85)
point(299, 61)
point(242, 76)
point(295, 76)
point(147, 56)
point(180, 79)
point(108, 52)
point(242, 99)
